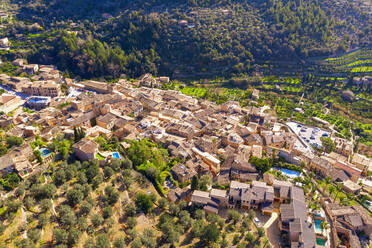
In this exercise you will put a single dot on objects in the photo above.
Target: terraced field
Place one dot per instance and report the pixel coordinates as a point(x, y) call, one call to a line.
point(197, 92)
point(359, 61)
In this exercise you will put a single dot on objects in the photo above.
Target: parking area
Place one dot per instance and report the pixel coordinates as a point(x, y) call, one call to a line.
point(261, 219)
point(308, 134)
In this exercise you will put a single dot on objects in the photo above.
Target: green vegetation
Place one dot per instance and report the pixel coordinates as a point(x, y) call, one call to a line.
point(262, 165)
point(88, 200)
point(187, 38)
point(336, 192)
point(198, 92)
point(61, 106)
point(145, 202)
point(108, 144)
point(327, 144)
point(10, 181)
point(14, 141)
point(28, 111)
point(100, 157)
point(151, 160)
point(78, 134)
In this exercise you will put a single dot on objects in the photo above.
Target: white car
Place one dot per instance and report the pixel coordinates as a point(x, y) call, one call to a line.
point(257, 221)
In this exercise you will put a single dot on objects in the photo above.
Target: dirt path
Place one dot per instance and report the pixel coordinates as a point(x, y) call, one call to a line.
point(24, 221)
point(53, 208)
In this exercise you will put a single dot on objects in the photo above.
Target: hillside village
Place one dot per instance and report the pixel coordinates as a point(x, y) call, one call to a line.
point(255, 160)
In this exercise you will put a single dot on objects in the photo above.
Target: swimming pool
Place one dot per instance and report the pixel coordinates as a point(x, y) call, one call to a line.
point(45, 152)
point(289, 173)
point(116, 155)
point(318, 229)
point(38, 100)
point(321, 242)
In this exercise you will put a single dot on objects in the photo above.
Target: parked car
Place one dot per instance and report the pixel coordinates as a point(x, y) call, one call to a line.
point(257, 221)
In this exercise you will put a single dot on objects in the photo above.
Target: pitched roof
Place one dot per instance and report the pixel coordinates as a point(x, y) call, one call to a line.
point(86, 146)
point(107, 118)
point(354, 220)
point(6, 162)
point(218, 193)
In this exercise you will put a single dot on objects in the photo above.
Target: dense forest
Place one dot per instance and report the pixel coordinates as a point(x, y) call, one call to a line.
point(185, 37)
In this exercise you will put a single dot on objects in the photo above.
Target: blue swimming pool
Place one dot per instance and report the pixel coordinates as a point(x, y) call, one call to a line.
point(318, 229)
point(289, 173)
point(116, 155)
point(38, 100)
point(45, 152)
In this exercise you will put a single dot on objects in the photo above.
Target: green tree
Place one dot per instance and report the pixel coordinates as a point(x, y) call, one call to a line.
point(103, 241)
point(210, 234)
point(45, 205)
point(90, 243)
point(162, 203)
point(327, 144)
point(185, 219)
point(148, 238)
point(130, 210)
point(262, 165)
point(204, 182)
point(144, 202)
point(85, 208)
point(108, 172)
point(131, 222)
point(194, 183)
point(120, 243)
point(34, 234)
point(59, 177)
point(25, 243)
point(260, 232)
point(67, 216)
point(249, 238)
point(234, 216)
point(73, 236)
point(14, 141)
point(43, 219)
point(60, 236)
point(3, 150)
point(107, 212)
point(74, 196)
point(97, 220)
point(136, 243)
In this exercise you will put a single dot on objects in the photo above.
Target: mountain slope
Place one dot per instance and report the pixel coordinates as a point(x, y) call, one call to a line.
point(193, 37)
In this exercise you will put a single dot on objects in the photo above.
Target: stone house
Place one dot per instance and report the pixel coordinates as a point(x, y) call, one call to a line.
point(106, 121)
point(183, 173)
point(85, 149)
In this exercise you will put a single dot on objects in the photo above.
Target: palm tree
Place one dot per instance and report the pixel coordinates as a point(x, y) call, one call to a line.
point(312, 174)
point(332, 190)
point(344, 201)
point(328, 180)
point(324, 225)
point(339, 188)
point(350, 196)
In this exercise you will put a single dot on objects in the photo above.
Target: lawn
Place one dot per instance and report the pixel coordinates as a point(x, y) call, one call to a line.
point(100, 157)
point(192, 91)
